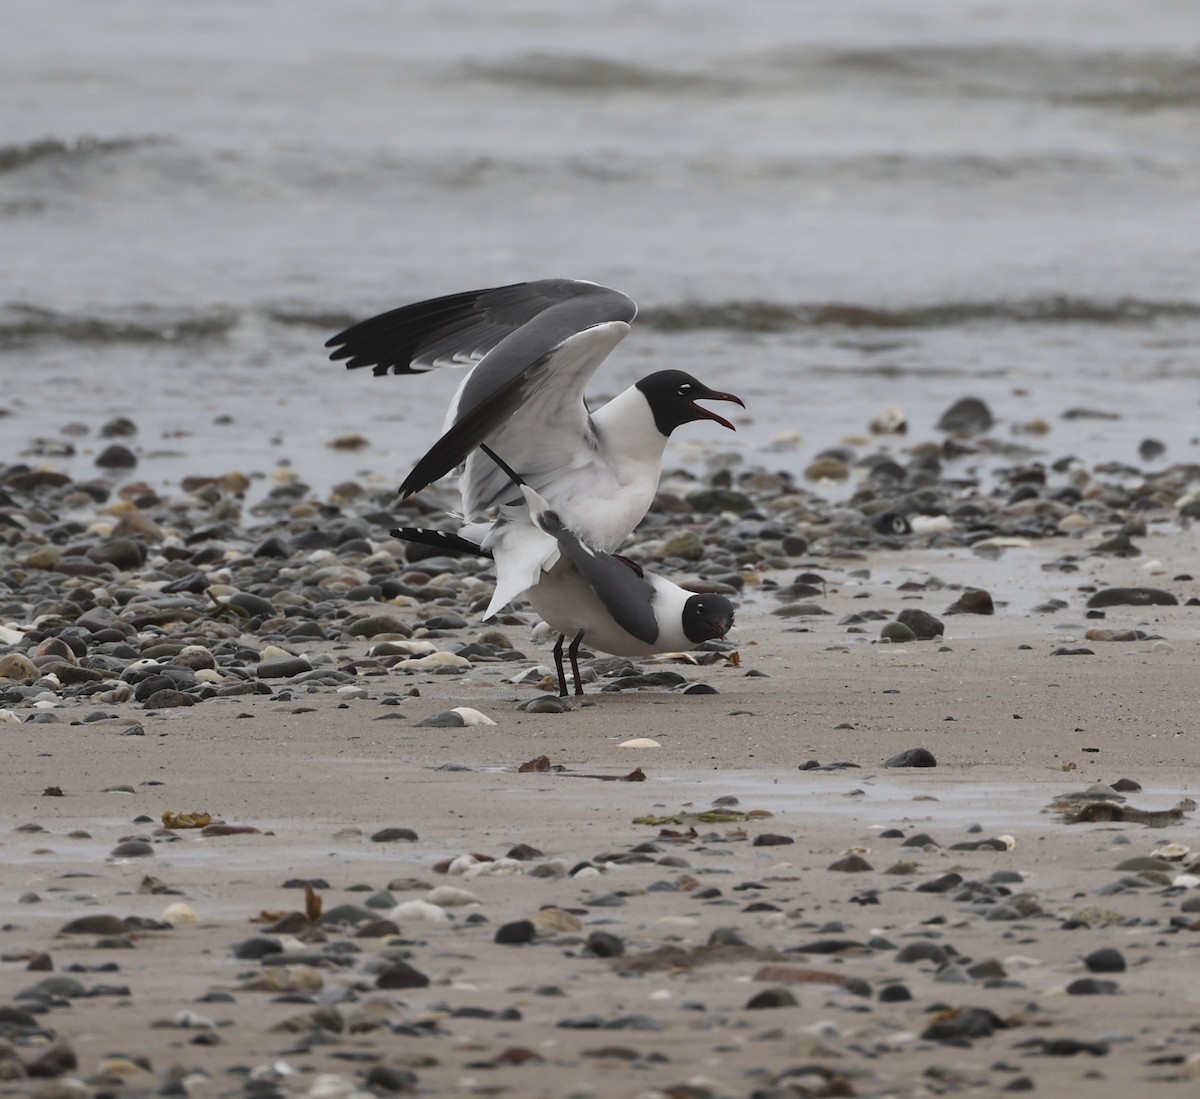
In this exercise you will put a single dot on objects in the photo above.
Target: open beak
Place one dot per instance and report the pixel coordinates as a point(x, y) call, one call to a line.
point(722, 626)
point(714, 395)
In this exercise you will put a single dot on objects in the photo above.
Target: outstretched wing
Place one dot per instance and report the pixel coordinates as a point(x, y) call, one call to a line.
point(626, 595)
point(534, 346)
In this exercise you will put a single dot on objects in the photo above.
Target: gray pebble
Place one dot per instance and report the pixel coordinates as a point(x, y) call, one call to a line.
point(911, 757)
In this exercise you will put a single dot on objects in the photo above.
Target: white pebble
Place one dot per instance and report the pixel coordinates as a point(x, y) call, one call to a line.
point(678, 923)
point(470, 716)
point(447, 896)
point(411, 911)
point(929, 524)
point(413, 648)
point(641, 742)
point(178, 914)
point(497, 867)
point(435, 660)
point(190, 1019)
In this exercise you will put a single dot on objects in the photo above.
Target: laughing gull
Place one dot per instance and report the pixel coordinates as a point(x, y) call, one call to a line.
point(532, 346)
point(595, 597)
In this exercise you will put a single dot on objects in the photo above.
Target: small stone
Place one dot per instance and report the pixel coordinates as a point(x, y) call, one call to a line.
point(116, 456)
point(720, 499)
point(100, 924)
point(545, 704)
point(169, 699)
point(827, 468)
point(897, 633)
point(132, 849)
point(969, 1023)
point(771, 997)
point(684, 544)
point(605, 945)
point(392, 835)
point(399, 974)
point(769, 839)
point(1132, 597)
point(283, 667)
point(53, 1062)
point(911, 757)
point(256, 948)
point(447, 719)
point(19, 668)
point(120, 427)
point(1105, 960)
point(922, 951)
point(969, 415)
point(388, 1079)
point(1150, 449)
point(557, 921)
point(377, 624)
point(925, 625)
point(517, 932)
point(1092, 986)
point(972, 601)
point(273, 546)
point(122, 553)
point(252, 604)
point(851, 864)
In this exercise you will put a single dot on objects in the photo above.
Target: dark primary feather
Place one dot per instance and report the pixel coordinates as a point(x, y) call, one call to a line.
point(408, 340)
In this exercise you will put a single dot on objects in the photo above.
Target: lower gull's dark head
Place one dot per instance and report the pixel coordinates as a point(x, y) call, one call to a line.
point(672, 397)
point(706, 617)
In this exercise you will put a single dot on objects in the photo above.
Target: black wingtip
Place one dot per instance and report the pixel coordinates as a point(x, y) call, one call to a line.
point(440, 539)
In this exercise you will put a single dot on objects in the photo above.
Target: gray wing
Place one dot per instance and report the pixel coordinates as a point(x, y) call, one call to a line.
point(510, 333)
point(625, 595)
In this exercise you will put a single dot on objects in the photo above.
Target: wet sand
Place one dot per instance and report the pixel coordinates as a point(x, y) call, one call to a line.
point(1011, 728)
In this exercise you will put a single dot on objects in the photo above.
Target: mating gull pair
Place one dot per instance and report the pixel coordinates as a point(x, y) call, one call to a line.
point(548, 488)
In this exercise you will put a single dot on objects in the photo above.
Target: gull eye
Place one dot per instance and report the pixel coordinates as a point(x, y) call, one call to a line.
point(685, 388)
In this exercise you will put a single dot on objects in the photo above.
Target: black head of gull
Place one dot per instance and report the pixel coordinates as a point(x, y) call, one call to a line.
point(672, 397)
point(707, 618)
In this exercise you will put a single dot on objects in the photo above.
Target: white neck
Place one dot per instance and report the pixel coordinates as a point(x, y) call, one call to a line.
point(627, 430)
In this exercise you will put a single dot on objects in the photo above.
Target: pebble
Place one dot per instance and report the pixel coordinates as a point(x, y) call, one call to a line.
point(924, 626)
point(399, 974)
point(283, 667)
point(969, 415)
point(897, 632)
point(972, 601)
point(1132, 597)
point(516, 933)
point(911, 757)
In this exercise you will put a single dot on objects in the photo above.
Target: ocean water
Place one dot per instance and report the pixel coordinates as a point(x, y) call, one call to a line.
point(829, 207)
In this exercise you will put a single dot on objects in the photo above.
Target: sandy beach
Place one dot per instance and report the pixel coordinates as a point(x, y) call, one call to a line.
point(706, 913)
